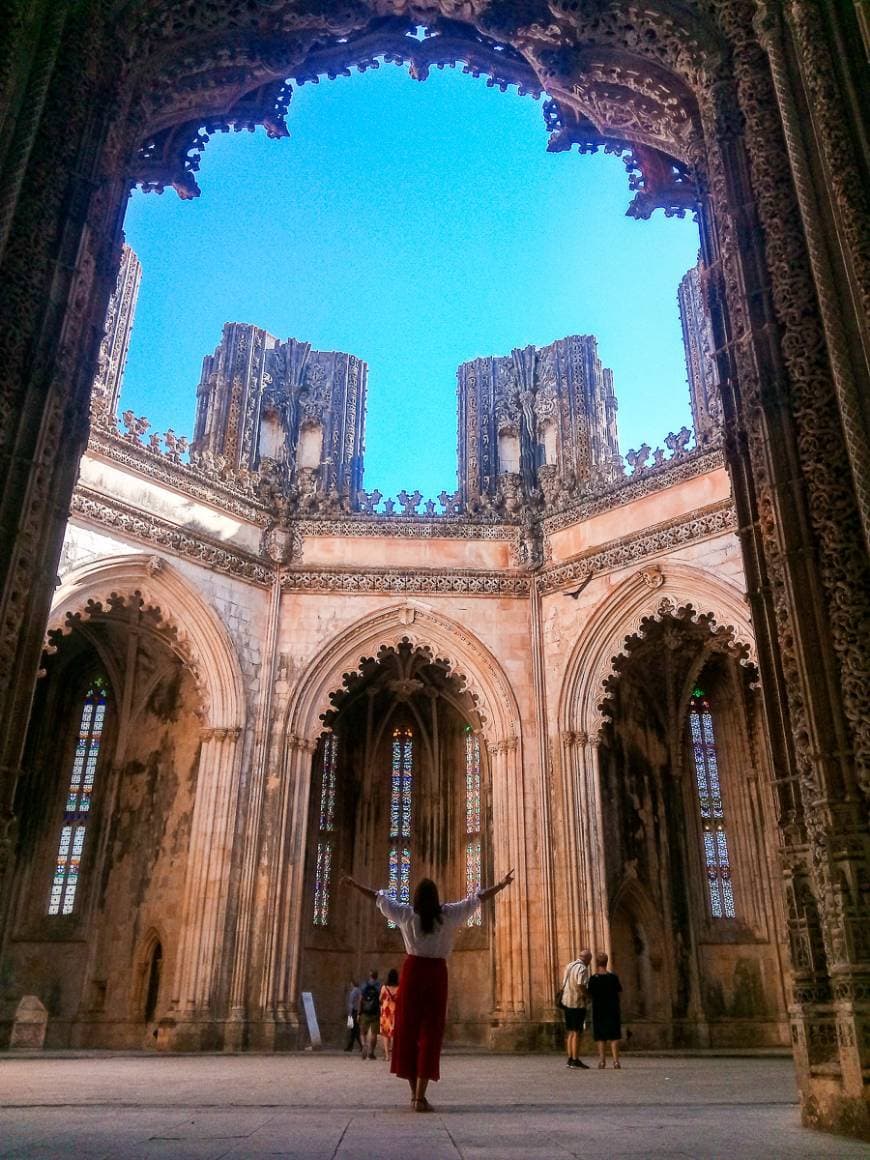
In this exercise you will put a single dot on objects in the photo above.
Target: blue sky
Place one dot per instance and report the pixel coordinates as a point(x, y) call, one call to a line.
point(416, 226)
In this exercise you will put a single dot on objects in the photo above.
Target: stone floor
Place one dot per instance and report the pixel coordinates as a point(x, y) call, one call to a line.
point(333, 1105)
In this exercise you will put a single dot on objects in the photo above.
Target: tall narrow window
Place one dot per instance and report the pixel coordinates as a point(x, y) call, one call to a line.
point(715, 840)
point(77, 810)
point(326, 831)
point(402, 774)
point(472, 818)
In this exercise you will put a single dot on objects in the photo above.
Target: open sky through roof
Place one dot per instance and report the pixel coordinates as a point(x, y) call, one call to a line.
point(416, 226)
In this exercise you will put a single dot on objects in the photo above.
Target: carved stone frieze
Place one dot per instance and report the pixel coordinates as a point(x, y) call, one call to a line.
point(447, 582)
point(636, 486)
point(195, 481)
point(713, 521)
point(127, 521)
point(412, 528)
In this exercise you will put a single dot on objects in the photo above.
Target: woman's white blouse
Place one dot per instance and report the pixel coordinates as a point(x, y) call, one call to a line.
point(439, 943)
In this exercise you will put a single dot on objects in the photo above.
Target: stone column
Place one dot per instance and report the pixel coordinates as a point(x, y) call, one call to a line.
point(205, 895)
point(586, 918)
point(250, 853)
point(283, 920)
point(61, 207)
point(804, 551)
point(512, 974)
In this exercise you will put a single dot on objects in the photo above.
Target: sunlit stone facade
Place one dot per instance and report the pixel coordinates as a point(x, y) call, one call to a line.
point(301, 677)
point(743, 112)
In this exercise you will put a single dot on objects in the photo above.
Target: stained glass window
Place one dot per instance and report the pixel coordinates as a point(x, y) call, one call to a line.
point(716, 859)
point(322, 875)
point(472, 818)
point(401, 784)
point(326, 840)
point(400, 873)
point(400, 799)
point(77, 809)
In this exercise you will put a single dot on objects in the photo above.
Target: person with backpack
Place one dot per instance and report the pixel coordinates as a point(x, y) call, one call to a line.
point(370, 1014)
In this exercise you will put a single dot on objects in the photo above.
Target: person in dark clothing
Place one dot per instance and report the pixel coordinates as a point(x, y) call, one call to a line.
point(352, 1006)
point(370, 1014)
point(604, 989)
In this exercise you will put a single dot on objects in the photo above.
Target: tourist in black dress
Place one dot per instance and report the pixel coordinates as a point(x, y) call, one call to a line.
point(604, 989)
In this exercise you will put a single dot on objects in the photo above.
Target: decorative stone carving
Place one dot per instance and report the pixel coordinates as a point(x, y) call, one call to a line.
point(707, 522)
point(698, 344)
point(116, 338)
point(282, 545)
point(556, 401)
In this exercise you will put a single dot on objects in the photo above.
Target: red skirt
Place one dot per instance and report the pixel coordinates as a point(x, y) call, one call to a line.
point(421, 1012)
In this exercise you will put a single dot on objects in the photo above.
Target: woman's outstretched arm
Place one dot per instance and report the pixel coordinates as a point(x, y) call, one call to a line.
point(346, 880)
point(491, 891)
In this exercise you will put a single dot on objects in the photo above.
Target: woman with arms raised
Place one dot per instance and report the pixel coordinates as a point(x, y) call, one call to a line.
point(428, 929)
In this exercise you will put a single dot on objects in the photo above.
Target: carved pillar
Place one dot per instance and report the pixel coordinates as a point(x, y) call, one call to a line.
point(806, 566)
point(256, 792)
point(60, 211)
point(204, 905)
point(586, 918)
point(512, 979)
point(546, 946)
point(283, 919)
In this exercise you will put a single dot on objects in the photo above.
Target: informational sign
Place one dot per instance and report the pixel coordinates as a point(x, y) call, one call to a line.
point(311, 1018)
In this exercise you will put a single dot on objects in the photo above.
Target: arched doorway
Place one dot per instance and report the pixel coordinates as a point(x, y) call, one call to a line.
point(469, 688)
point(400, 791)
point(115, 753)
point(684, 801)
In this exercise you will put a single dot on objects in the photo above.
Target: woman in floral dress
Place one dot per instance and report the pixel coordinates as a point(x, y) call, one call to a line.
point(389, 994)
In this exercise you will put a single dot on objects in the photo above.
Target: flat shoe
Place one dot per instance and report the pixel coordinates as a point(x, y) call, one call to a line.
point(422, 1105)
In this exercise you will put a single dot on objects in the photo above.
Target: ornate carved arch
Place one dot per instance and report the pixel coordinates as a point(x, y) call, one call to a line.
point(649, 593)
point(194, 631)
point(465, 654)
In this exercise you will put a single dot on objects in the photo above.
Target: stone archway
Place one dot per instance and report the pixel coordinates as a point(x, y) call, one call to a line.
point(746, 99)
point(196, 635)
point(631, 778)
point(501, 731)
point(646, 594)
point(396, 781)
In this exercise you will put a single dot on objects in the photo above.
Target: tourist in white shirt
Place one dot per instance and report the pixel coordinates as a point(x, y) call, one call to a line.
point(428, 931)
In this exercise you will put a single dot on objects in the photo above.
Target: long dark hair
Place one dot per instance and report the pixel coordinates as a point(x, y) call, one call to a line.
point(427, 905)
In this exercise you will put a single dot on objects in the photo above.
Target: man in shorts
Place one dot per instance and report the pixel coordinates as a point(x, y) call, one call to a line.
point(574, 1000)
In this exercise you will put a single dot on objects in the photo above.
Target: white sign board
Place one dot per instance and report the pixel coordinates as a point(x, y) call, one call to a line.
point(311, 1018)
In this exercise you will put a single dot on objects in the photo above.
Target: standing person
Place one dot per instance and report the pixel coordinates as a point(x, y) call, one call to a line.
point(352, 1008)
point(370, 1014)
point(574, 999)
point(604, 989)
point(428, 930)
point(389, 995)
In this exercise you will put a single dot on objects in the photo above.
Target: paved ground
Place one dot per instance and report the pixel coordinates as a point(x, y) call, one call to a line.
point(332, 1105)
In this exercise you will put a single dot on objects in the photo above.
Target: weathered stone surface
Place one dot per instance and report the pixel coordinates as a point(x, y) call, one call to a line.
point(29, 1024)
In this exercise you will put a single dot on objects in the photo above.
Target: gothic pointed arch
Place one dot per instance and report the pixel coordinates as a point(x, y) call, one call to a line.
point(650, 592)
point(465, 654)
point(197, 634)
